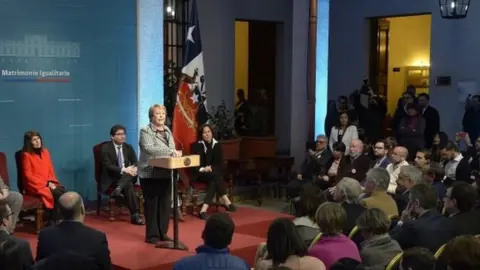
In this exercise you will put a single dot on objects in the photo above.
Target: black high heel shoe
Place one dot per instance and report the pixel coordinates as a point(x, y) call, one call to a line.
point(230, 208)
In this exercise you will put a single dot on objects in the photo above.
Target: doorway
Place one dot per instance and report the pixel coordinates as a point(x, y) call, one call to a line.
point(399, 56)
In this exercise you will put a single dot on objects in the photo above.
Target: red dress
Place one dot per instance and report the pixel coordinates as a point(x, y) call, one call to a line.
point(38, 171)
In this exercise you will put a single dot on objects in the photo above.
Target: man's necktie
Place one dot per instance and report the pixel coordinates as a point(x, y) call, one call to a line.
point(119, 156)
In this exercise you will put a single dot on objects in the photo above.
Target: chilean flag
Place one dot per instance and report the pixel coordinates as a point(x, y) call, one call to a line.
point(191, 106)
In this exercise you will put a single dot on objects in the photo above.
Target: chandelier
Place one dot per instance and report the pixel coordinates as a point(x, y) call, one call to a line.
point(454, 9)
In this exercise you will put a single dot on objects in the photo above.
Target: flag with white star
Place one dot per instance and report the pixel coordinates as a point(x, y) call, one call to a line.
point(191, 107)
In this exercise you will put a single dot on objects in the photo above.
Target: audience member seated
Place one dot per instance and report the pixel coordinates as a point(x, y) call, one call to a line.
point(333, 244)
point(343, 131)
point(376, 186)
point(381, 152)
point(473, 152)
point(378, 249)
point(72, 235)
point(285, 247)
point(439, 141)
point(463, 253)
point(434, 174)
point(11, 256)
point(315, 164)
point(391, 143)
point(13, 250)
point(119, 171)
point(39, 174)
point(399, 159)
point(458, 203)
point(408, 177)
point(347, 264)
point(346, 193)
point(214, 254)
point(417, 258)
point(339, 160)
point(310, 199)
point(358, 163)
point(211, 170)
point(411, 130)
point(13, 199)
point(456, 167)
point(421, 225)
point(67, 260)
point(423, 158)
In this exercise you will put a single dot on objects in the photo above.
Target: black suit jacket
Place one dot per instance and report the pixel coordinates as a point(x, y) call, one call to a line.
point(111, 171)
point(216, 153)
point(466, 223)
point(313, 166)
point(402, 200)
point(24, 247)
point(353, 210)
point(432, 125)
point(76, 237)
point(356, 169)
point(431, 230)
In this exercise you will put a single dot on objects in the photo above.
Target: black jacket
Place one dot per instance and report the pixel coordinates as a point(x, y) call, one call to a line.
point(111, 170)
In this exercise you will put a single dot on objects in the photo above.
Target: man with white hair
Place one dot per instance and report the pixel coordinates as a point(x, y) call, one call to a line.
point(399, 159)
point(408, 177)
point(358, 163)
point(347, 192)
point(376, 186)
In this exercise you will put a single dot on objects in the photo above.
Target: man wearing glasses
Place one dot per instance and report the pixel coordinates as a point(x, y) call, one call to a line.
point(13, 199)
point(20, 246)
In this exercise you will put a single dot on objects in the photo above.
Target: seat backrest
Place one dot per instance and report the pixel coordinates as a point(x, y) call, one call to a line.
point(18, 164)
point(97, 160)
point(394, 263)
point(4, 168)
point(315, 240)
point(440, 251)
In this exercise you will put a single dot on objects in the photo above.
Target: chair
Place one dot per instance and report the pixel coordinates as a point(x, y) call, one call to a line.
point(111, 201)
point(315, 240)
point(31, 203)
point(440, 251)
point(353, 232)
point(198, 187)
point(394, 262)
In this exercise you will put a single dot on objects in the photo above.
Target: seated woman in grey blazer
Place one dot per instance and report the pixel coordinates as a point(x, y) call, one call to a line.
point(156, 141)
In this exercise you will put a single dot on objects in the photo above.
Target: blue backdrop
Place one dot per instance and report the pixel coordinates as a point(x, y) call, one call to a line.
point(88, 50)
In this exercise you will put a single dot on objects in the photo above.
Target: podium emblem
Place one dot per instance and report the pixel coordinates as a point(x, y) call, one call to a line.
point(187, 162)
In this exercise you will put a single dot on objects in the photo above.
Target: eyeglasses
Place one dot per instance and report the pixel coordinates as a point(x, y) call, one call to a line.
point(9, 215)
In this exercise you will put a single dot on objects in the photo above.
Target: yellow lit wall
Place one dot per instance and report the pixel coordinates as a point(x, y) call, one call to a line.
point(241, 57)
point(409, 45)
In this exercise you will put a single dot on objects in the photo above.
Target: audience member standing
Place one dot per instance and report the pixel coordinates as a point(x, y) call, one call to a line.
point(470, 122)
point(343, 131)
point(72, 235)
point(214, 253)
point(432, 118)
point(411, 130)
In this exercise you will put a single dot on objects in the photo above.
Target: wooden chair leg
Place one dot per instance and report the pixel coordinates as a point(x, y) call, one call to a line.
point(39, 222)
point(141, 205)
point(195, 208)
point(99, 203)
point(185, 202)
point(111, 210)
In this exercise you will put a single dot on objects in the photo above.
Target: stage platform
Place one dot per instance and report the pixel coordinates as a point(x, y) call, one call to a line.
point(130, 252)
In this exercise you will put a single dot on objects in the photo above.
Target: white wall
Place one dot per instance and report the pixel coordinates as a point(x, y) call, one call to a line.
point(453, 47)
point(217, 19)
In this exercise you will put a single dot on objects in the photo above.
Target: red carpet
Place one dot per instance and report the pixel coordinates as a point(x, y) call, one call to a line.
point(130, 252)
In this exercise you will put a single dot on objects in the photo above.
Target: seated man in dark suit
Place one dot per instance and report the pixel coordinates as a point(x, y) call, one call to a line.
point(13, 250)
point(214, 253)
point(408, 177)
point(458, 203)
point(119, 170)
point(358, 164)
point(315, 164)
point(72, 235)
point(421, 225)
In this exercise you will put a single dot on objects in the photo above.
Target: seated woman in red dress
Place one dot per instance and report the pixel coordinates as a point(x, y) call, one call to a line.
point(38, 173)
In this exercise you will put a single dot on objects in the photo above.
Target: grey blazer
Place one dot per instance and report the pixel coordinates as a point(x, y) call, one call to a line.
point(377, 253)
point(153, 145)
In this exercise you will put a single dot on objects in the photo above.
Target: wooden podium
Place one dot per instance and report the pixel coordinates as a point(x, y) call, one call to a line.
point(173, 164)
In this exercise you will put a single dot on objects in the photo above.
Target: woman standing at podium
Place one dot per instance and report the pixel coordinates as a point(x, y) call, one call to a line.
point(156, 141)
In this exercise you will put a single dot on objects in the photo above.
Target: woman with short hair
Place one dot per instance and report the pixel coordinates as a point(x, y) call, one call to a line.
point(333, 244)
point(310, 199)
point(379, 248)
